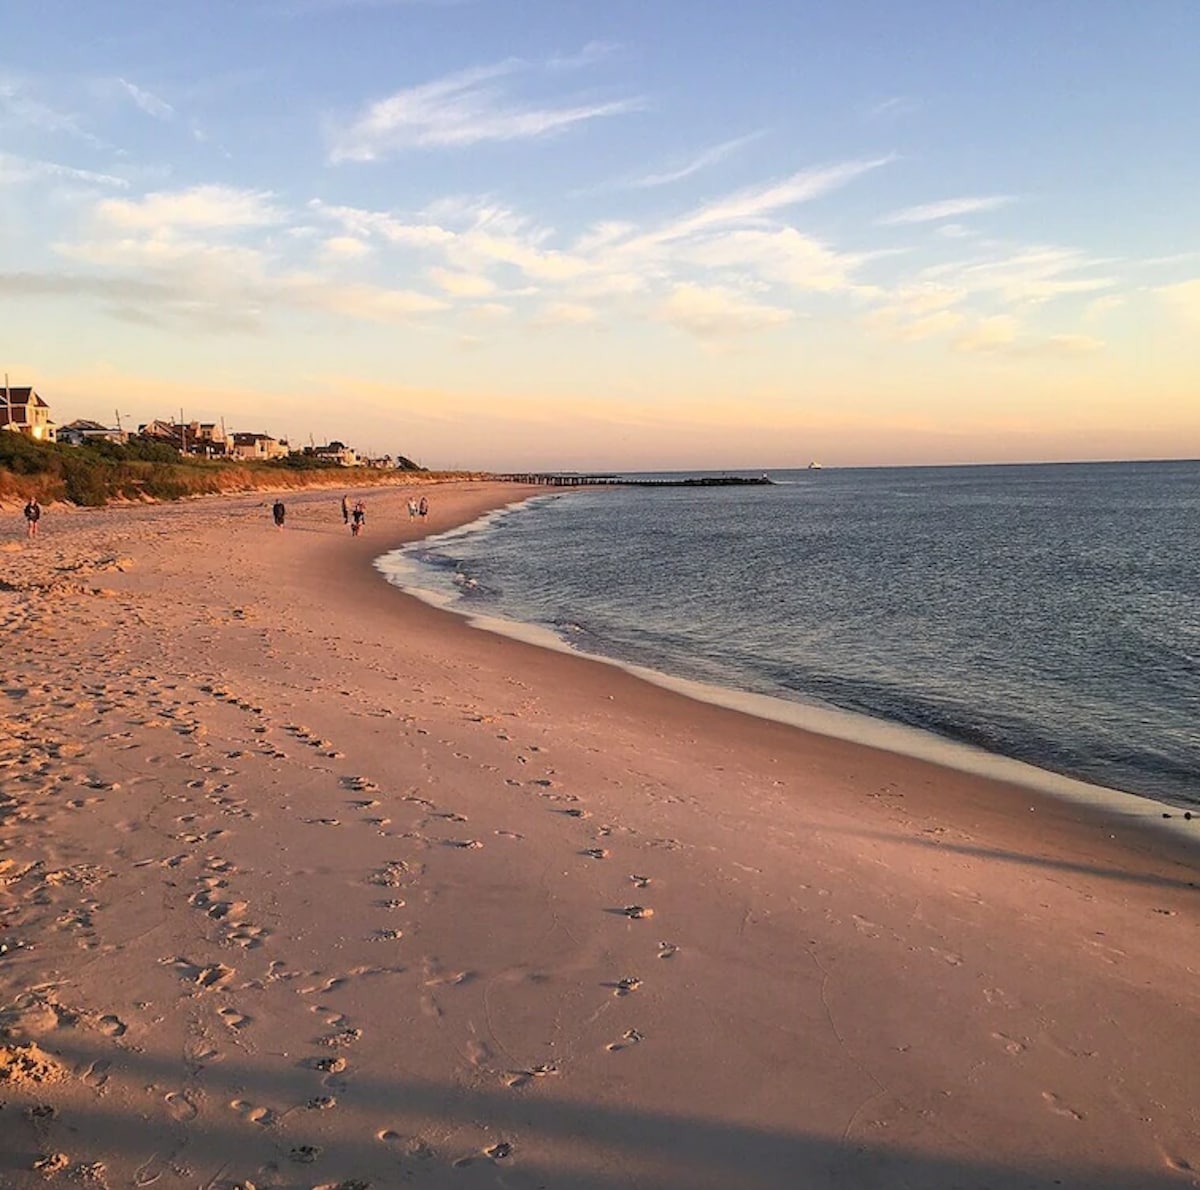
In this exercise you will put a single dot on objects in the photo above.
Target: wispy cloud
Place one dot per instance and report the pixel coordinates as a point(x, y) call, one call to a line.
point(950, 208)
point(20, 109)
point(593, 52)
point(19, 170)
point(701, 161)
point(212, 207)
point(1028, 275)
point(989, 334)
point(755, 203)
point(148, 102)
point(892, 108)
point(466, 108)
point(711, 312)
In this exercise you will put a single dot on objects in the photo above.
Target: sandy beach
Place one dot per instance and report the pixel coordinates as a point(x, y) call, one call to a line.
point(304, 883)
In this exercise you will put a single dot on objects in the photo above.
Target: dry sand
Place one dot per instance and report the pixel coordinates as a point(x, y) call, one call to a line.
point(307, 884)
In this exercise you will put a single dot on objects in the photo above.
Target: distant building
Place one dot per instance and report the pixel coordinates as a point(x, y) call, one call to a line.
point(193, 437)
point(82, 430)
point(258, 446)
point(334, 452)
point(22, 410)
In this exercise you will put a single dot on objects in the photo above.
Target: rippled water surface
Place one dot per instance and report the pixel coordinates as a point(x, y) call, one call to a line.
point(1048, 613)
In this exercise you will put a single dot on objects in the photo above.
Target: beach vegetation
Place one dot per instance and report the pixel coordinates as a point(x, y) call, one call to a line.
point(101, 472)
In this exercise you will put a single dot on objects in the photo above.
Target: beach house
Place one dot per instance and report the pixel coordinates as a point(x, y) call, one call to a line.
point(83, 430)
point(22, 410)
point(258, 446)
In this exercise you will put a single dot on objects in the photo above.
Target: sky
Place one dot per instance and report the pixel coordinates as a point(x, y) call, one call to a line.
point(573, 234)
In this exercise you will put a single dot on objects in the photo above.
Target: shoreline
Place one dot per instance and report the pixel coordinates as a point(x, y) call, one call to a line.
point(307, 883)
point(854, 728)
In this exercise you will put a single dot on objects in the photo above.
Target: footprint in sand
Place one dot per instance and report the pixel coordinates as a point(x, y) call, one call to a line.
point(1059, 1108)
point(264, 1117)
point(520, 1078)
point(234, 1019)
point(667, 950)
point(96, 1075)
point(180, 1106)
point(628, 1038)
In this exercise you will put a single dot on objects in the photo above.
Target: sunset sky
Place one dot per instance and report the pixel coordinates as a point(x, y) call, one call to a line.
point(638, 233)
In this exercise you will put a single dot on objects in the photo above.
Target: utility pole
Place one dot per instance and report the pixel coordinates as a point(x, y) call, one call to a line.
point(182, 433)
point(7, 402)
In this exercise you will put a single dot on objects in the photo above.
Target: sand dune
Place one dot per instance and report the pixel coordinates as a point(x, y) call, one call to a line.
point(306, 884)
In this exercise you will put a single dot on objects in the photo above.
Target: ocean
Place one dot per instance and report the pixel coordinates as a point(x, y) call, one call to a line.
point(1044, 613)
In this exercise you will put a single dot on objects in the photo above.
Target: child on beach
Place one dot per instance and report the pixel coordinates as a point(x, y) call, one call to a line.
point(423, 508)
point(412, 509)
point(358, 518)
point(345, 510)
point(33, 514)
point(278, 512)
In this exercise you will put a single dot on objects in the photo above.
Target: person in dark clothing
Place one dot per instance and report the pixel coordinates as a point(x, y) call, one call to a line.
point(278, 512)
point(358, 519)
point(33, 514)
point(345, 510)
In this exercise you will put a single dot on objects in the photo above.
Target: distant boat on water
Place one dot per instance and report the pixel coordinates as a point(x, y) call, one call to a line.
point(814, 466)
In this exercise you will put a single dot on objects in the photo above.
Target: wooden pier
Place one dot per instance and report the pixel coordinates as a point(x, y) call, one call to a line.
point(561, 480)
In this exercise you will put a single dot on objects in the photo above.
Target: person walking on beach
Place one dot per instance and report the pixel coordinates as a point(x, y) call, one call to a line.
point(423, 508)
point(358, 518)
point(33, 514)
point(278, 512)
point(345, 510)
point(412, 509)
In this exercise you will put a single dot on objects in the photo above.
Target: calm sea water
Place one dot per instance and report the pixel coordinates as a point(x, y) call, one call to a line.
point(1048, 613)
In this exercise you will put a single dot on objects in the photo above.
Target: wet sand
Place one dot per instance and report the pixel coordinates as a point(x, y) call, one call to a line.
point(307, 884)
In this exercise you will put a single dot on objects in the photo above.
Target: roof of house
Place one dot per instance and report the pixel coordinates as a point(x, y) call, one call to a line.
point(86, 424)
point(24, 395)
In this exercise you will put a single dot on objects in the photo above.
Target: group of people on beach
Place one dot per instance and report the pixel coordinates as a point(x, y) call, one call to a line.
point(355, 516)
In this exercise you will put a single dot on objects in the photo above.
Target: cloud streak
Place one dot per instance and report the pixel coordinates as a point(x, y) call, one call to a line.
point(467, 108)
point(147, 102)
point(949, 208)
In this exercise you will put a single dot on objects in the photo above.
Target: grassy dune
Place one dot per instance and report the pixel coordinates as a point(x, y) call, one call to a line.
point(96, 474)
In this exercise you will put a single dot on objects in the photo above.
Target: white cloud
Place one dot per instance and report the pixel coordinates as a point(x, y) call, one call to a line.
point(20, 170)
point(211, 207)
point(344, 248)
point(715, 312)
point(21, 109)
point(461, 109)
point(593, 52)
point(491, 312)
point(160, 109)
point(461, 284)
point(892, 108)
point(758, 202)
point(701, 161)
point(565, 314)
point(950, 208)
point(890, 322)
point(989, 334)
point(786, 256)
point(1030, 275)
